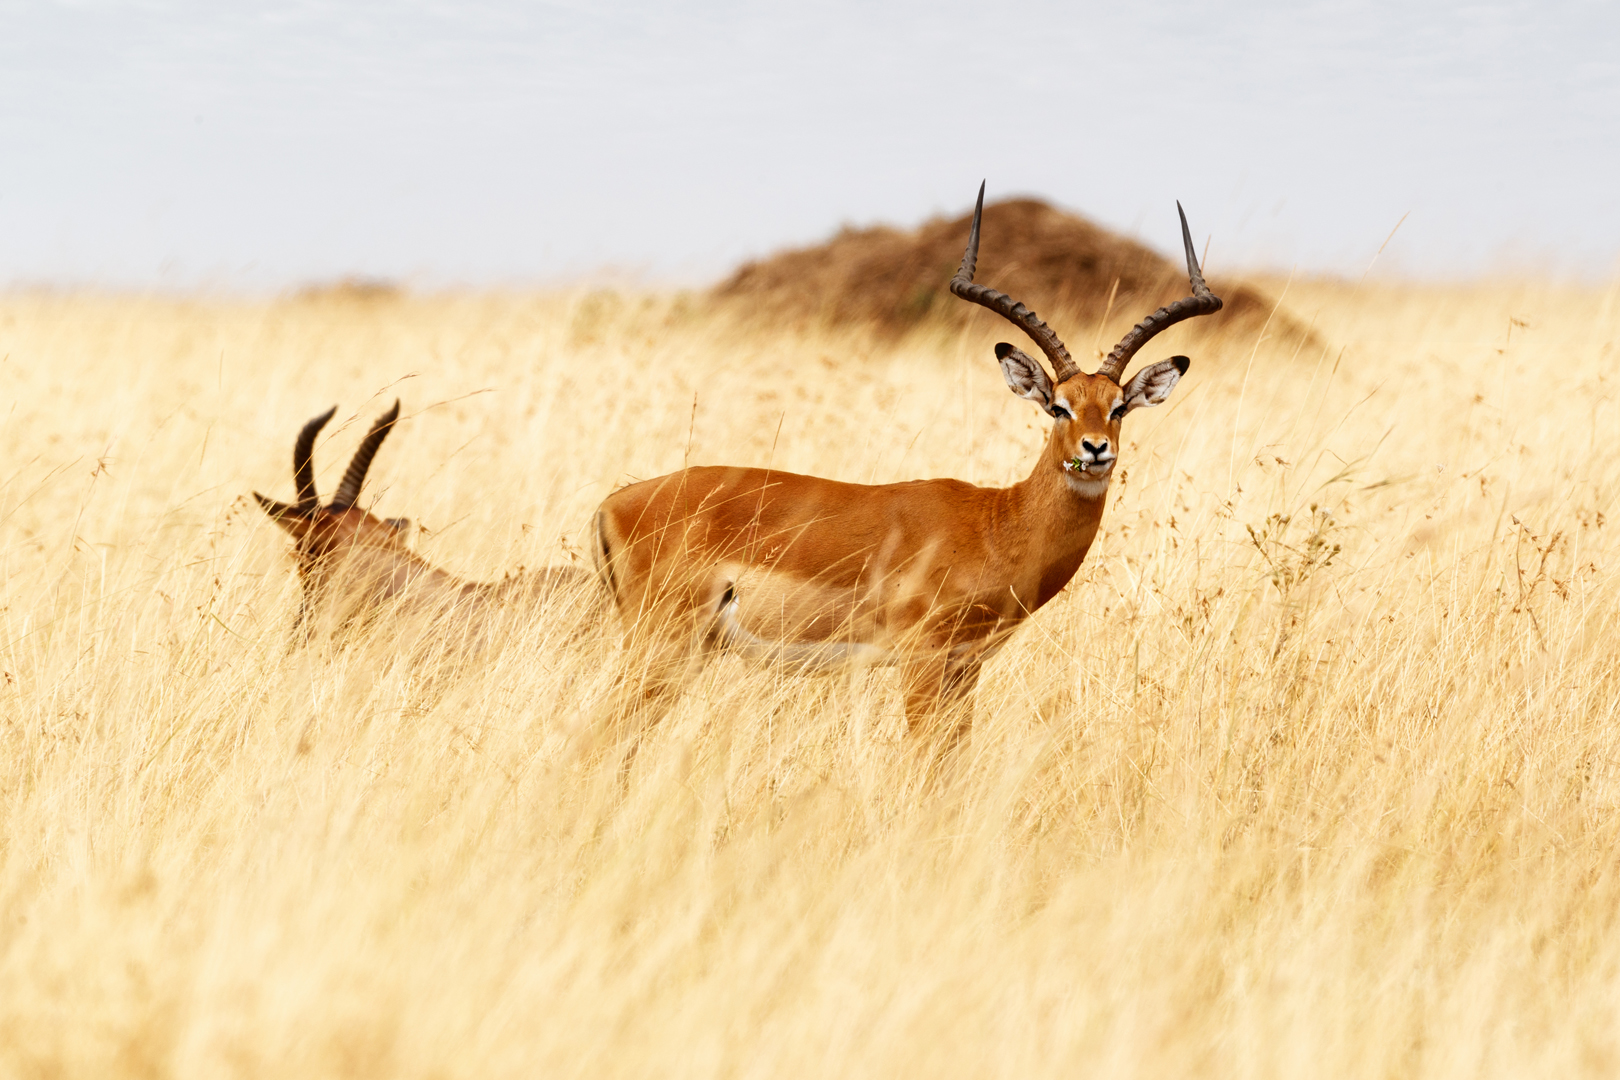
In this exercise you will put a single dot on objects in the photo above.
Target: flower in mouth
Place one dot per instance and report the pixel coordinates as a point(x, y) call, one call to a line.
point(1074, 464)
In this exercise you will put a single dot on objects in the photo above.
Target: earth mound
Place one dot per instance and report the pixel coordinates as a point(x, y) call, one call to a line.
point(1058, 263)
point(351, 290)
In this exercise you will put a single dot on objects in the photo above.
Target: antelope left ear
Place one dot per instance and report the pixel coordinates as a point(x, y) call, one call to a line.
point(289, 517)
point(1152, 385)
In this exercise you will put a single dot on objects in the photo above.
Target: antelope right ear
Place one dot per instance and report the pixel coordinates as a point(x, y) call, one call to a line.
point(289, 517)
point(1025, 376)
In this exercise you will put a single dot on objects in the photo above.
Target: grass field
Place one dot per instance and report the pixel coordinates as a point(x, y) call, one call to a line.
point(1314, 769)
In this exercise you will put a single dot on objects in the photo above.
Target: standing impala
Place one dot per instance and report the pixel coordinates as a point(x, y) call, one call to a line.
point(932, 575)
point(353, 565)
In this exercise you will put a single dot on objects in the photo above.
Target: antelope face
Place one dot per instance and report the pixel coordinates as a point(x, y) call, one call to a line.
point(1088, 410)
point(320, 532)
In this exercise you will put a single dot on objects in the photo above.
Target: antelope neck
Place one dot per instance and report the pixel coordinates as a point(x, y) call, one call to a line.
point(1047, 512)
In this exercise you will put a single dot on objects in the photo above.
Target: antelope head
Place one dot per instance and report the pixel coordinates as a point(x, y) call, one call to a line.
point(323, 536)
point(1087, 409)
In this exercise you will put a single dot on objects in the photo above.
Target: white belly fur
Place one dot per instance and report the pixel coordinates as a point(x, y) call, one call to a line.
point(809, 656)
point(795, 617)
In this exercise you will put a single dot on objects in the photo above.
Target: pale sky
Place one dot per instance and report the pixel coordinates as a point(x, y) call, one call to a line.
point(257, 146)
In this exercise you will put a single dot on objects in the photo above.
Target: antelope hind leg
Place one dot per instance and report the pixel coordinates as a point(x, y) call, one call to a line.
point(656, 668)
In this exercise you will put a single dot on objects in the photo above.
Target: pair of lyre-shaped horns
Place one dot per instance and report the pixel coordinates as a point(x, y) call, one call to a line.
point(1201, 302)
point(355, 475)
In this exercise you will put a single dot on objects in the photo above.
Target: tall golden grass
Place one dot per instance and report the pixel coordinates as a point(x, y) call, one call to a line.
point(1314, 770)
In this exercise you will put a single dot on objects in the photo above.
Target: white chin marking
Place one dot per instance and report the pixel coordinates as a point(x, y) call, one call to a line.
point(1086, 487)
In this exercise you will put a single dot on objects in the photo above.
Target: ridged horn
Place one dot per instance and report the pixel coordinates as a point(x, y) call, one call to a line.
point(349, 490)
point(1063, 366)
point(1201, 302)
point(303, 460)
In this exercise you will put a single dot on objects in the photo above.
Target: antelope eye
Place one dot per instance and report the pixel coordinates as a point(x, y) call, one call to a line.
point(1118, 414)
point(1062, 412)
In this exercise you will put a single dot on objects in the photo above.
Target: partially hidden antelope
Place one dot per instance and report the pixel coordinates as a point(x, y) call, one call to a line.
point(931, 575)
point(355, 568)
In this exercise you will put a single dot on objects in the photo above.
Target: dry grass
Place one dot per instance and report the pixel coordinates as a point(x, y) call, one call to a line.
point(1313, 771)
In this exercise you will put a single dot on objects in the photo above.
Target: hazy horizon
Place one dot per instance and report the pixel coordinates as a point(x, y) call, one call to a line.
point(175, 146)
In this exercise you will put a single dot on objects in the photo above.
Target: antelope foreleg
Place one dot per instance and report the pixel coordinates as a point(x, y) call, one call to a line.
point(939, 703)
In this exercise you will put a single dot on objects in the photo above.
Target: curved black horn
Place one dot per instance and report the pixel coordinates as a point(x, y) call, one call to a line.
point(1201, 302)
point(1063, 366)
point(303, 459)
point(349, 490)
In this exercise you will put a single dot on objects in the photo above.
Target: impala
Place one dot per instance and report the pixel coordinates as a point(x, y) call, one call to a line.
point(932, 575)
point(353, 565)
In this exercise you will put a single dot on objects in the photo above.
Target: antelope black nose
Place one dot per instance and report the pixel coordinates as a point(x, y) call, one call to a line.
point(1097, 447)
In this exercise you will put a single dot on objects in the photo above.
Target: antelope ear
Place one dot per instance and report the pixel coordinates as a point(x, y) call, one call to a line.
point(289, 517)
point(1025, 376)
point(1152, 385)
